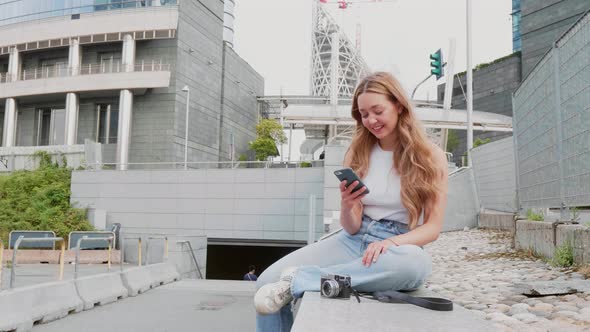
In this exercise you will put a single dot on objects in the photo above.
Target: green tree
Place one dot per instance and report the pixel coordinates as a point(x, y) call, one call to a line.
point(269, 133)
point(452, 140)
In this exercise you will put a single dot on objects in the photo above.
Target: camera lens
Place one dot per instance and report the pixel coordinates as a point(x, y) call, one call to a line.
point(330, 288)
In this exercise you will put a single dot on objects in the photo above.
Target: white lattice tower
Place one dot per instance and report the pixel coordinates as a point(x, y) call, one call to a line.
point(351, 66)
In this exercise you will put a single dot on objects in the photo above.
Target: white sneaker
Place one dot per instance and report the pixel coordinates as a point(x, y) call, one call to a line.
point(270, 298)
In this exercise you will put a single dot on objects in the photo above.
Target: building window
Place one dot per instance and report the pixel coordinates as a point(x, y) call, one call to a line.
point(107, 124)
point(51, 126)
point(110, 62)
point(1, 128)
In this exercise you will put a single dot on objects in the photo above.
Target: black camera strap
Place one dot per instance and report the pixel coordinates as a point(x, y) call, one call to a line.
point(432, 303)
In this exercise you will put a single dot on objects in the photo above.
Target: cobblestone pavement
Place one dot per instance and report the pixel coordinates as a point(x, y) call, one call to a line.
point(477, 268)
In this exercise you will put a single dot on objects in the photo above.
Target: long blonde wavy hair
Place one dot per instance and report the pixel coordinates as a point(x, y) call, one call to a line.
point(412, 155)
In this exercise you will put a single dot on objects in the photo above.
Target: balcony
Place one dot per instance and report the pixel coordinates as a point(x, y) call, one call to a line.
point(88, 77)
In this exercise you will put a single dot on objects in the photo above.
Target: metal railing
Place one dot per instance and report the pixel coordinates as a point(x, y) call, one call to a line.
point(39, 234)
point(138, 250)
point(1, 261)
point(147, 248)
point(62, 70)
point(40, 239)
point(86, 238)
point(132, 4)
point(190, 247)
point(209, 164)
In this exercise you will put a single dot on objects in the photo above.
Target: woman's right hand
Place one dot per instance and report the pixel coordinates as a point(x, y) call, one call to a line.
point(348, 198)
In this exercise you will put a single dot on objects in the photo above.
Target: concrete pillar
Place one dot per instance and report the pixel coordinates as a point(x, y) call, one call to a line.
point(125, 106)
point(72, 99)
point(9, 132)
point(10, 111)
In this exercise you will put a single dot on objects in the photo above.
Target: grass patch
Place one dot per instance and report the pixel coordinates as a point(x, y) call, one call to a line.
point(532, 215)
point(564, 256)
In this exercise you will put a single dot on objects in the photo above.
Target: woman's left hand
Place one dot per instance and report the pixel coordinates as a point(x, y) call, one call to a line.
point(374, 250)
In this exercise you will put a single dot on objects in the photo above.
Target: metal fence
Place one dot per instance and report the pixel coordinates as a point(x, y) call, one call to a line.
point(552, 125)
point(493, 168)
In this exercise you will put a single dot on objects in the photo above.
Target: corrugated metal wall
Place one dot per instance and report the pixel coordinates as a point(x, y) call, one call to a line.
point(495, 179)
point(552, 125)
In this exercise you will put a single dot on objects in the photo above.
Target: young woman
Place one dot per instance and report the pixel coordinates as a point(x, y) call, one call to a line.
point(384, 231)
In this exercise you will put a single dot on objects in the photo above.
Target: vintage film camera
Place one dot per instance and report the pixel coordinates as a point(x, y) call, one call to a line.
point(336, 286)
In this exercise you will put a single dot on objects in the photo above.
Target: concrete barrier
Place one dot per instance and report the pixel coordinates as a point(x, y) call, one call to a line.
point(578, 237)
point(162, 273)
point(100, 289)
point(137, 280)
point(43, 303)
point(538, 236)
point(496, 220)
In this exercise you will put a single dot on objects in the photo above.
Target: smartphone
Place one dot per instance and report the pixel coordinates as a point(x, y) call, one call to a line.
point(350, 176)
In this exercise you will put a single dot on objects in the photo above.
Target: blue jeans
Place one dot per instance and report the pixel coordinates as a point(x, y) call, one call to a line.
point(400, 268)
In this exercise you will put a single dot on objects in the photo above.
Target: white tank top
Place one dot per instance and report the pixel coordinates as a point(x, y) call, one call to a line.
point(384, 199)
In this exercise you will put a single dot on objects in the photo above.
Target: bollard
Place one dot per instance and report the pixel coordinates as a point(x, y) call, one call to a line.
point(139, 251)
point(62, 257)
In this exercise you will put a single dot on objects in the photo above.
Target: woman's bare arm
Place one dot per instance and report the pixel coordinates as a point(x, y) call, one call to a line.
point(351, 207)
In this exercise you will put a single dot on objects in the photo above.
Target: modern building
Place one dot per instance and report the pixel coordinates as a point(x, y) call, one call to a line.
point(536, 24)
point(542, 22)
point(120, 73)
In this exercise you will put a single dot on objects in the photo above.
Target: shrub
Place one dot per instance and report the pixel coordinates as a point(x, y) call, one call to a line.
point(305, 164)
point(564, 256)
point(39, 200)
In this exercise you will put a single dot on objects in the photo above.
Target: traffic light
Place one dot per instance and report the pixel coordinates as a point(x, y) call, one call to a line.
point(437, 64)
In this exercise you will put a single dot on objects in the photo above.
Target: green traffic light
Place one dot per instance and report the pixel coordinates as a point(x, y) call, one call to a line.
point(437, 64)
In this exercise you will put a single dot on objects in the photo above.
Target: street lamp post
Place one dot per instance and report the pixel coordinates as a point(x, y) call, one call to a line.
point(188, 93)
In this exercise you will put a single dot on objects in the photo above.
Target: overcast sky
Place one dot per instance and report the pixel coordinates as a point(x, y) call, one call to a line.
point(274, 37)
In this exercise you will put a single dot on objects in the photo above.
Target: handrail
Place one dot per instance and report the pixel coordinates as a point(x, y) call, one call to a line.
point(147, 248)
point(459, 170)
point(38, 239)
point(86, 238)
point(1, 260)
point(227, 164)
point(138, 249)
point(63, 70)
point(193, 255)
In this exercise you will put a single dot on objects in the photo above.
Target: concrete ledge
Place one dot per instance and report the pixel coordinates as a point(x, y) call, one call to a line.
point(162, 273)
point(137, 280)
point(100, 289)
point(320, 314)
point(22, 307)
point(578, 237)
point(496, 221)
point(535, 235)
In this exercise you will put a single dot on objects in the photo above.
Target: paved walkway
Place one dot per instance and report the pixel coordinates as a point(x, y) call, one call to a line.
point(477, 268)
point(187, 305)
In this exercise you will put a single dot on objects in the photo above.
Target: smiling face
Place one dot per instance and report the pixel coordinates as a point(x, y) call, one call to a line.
point(379, 115)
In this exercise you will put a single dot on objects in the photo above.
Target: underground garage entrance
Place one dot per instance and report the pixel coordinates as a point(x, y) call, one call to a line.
point(228, 259)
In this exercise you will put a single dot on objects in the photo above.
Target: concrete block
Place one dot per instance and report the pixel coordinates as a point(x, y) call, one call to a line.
point(496, 221)
point(317, 313)
point(578, 237)
point(162, 273)
point(100, 289)
point(535, 235)
point(137, 280)
point(43, 303)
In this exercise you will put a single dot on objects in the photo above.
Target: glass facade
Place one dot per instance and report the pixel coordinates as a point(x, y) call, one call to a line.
point(515, 25)
point(15, 11)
